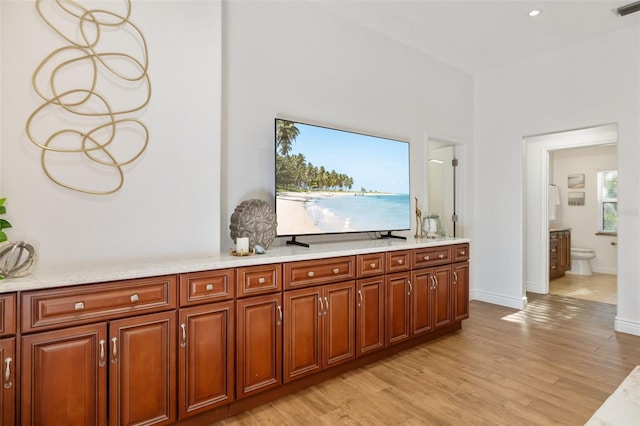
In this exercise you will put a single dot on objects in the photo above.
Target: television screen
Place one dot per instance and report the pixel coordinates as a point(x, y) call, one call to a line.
point(332, 181)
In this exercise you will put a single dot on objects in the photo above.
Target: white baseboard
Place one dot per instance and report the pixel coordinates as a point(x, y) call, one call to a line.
point(535, 288)
point(605, 270)
point(626, 326)
point(498, 299)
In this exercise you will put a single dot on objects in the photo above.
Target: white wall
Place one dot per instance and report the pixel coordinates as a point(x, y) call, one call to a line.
point(579, 86)
point(583, 220)
point(169, 205)
point(297, 60)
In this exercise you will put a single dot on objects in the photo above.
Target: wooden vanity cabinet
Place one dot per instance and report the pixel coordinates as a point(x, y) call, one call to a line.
point(370, 308)
point(8, 358)
point(118, 370)
point(559, 253)
point(398, 289)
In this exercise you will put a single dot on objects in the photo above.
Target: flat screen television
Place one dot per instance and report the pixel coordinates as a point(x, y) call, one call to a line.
point(331, 181)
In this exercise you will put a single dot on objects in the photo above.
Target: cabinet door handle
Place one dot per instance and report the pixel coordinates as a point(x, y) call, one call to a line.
point(455, 277)
point(135, 298)
point(103, 353)
point(326, 308)
point(280, 312)
point(336, 270)
point(433, 282)
point(321, 307)
point(360, 298)
point(7, 373)
point(184, 335)
point(410, 288)
point(310, 274)
point(114, 350)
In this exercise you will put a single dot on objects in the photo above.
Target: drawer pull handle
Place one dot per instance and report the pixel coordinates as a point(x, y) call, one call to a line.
point(310, 274)
point(360, 298)
point(400, 261)
point(372, 265)
point(183, 327)
point(209, 287)
point(135, 298)
point(426, 258)
point(114, 351)
point(280, 312)
point(462, 252)
point(78, 306)
point(441, 256)
point(261, 280)
point(103, 354)
point(7, 373)
point(336, 270)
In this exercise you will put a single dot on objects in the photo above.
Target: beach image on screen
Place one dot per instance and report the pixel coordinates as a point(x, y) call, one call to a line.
point(333, 181)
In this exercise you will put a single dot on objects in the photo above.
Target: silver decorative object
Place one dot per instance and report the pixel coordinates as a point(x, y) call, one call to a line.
point(16, 259)
point(254, 219)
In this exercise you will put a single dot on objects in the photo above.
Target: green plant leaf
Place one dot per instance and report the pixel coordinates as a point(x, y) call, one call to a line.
point(4, 224)
point(3, 237)
point(3, 209)
point(2, 200)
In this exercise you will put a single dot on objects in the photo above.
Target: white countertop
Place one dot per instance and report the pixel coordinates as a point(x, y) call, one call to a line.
point(121, 271)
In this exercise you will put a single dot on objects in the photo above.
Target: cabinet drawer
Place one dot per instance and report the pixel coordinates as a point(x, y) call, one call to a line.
point(208, 286)
point(460, 252)
point(431, 256)
point(83, 304)
point(398, 261)
point(321, 271)
point(7, 314)
point(261, 279)
point(370, 264)
point(553, 249)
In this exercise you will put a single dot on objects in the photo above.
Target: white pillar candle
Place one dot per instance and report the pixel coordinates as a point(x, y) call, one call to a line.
point(242, 245)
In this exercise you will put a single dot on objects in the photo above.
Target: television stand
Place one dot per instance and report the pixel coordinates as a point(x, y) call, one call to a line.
point(293, 242)
point(388, 235)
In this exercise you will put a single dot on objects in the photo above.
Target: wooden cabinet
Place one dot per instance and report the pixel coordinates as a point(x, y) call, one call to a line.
point(206, 357)
point(258, 344)
point(559, 253)
point(116, 367)
point(370, 307)
point(8, 358)
point(460, 291)
point(319, 328)
point(431, 299)
point(398, 307)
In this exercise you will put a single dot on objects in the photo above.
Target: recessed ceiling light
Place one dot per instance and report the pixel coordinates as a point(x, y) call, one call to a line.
point(535, 12)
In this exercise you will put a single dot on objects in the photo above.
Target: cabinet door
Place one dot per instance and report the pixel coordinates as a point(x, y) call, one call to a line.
point(460, 286)
point(442, 296)
point(398, 308)
point(142, 375)
point(258, 344)
point(421, 310)
point(205, 357)
point(338, 327)
point(304, 310)
point(64, 377)
point(8, 398)
point(370, 315)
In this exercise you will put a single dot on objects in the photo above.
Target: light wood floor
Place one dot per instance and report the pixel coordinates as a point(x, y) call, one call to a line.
point(554, 363)
point(597, 287)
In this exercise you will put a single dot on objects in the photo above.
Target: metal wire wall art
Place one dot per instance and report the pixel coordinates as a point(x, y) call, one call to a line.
point(92, 88)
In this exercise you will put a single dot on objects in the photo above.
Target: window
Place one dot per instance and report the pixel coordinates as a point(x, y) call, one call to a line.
point(608, 201)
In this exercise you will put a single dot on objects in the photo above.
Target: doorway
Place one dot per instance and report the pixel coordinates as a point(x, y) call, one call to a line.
point(539, 175)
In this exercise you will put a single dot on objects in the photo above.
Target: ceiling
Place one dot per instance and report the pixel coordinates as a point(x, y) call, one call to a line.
point(474, 35)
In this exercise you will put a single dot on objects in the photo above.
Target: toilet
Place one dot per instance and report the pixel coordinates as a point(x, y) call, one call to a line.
point(580, 260)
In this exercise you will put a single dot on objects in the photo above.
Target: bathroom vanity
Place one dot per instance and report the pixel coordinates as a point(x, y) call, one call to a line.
point(559, 252)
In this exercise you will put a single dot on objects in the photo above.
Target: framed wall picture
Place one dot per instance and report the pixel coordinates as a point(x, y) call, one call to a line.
point(576, 181)
point(576, 198)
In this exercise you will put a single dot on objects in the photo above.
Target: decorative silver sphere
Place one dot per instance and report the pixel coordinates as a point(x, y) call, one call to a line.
point(16, 259)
